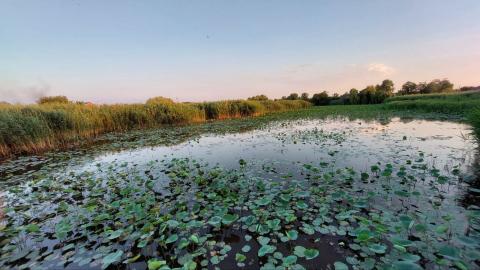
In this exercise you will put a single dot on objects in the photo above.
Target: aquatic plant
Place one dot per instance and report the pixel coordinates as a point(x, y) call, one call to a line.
point(33, 128)
point(114, 215)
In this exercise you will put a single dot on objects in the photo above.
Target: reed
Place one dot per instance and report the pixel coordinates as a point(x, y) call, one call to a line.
point(51, 125)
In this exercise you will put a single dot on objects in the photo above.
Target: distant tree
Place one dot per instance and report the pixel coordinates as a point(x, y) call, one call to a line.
point(292, 96)
point(320, 99)
point(435, 86)
point(439, 86)
point(53, 99)
point(258, 97)
point(422, 88)
point(160, 100)
point(353, 97)
point(304, 96)
point(383, 91)
point(408, 88)
point(469, 88)
point(336, 99)
point(368, 95)
point(4, 103)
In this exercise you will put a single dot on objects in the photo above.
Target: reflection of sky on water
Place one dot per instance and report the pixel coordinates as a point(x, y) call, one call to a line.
point(361, 145)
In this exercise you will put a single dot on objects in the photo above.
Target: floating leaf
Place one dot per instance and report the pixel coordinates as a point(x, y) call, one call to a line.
point(266, 249)
point(172, 238)
point(449, 252)
point(405, 265)
point(292, 234)
point(378, 248)
point(246, 248)
point(299, 251)
point(340, 266)
point(229, 219)
point(311, 253)
point(111, 258)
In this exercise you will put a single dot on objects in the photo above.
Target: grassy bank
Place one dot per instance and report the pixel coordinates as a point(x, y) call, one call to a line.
point(35, 128)
point(451, 103)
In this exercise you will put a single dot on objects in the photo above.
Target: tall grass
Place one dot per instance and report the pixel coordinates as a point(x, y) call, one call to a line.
point(450, 103)
point(35, 128)
point(474, 119)
point(450, 96)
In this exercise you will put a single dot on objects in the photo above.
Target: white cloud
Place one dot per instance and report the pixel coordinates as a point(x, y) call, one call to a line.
point(381, 68)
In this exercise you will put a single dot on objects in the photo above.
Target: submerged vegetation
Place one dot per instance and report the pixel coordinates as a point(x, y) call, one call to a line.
point(56, 122)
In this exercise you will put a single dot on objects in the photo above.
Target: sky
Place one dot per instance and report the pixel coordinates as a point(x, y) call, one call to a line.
point(127, 51)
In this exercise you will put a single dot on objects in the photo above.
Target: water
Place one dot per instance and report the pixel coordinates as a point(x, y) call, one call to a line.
point(355, 144)
point(282, 151)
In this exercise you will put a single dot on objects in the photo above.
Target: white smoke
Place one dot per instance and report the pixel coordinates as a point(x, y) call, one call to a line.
point(13, 92)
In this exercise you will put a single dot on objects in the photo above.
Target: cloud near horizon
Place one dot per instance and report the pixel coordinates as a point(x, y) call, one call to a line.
point(13, 92)
point(381, 68)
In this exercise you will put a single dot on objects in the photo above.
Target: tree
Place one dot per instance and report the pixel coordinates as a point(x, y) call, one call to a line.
point(344, 99)
point(435, 86)
point(258, 97)
point(292, 96)
point(353, 97)
point(383, 91)
point(439, 86)
point(367, 95)
point(304, 96)
point(320, 99)
point(422, 88)
point(408, 88)
point(469, 88)
point(53, 99)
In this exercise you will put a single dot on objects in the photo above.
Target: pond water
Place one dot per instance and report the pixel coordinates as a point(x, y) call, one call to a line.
point(294, 194)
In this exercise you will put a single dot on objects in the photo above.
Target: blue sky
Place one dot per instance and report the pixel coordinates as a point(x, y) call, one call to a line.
point(127, 51)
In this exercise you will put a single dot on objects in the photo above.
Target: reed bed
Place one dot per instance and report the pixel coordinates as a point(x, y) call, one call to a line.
point(36, 128)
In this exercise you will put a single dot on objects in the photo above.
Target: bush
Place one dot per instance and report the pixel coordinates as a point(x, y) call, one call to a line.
point(53, 99)
point(160, 100)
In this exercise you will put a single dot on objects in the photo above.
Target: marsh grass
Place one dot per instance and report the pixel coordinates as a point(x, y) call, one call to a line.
point(34, 128)
point(451, 103)
point(474, 119)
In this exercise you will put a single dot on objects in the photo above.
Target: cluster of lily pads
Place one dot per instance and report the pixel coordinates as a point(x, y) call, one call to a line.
point(311, 136)
point(183, 214)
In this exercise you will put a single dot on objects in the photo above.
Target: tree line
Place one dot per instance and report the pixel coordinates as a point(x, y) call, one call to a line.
point(372, 94)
